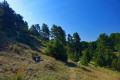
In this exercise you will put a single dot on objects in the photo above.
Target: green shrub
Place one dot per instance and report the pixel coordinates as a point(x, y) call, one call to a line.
point(86, 58)
point(56, 49)
point(99, 59)
point(116, 64)
point(74, 56)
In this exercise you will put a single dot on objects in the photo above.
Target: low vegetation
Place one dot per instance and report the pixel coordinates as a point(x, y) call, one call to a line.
point(56, 49)
point(91, 72)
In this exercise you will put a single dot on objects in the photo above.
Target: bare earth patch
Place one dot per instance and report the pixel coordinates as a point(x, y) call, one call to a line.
point(72, 74)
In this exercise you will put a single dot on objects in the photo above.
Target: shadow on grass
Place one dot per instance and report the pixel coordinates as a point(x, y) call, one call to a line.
point(83, 68)
point(31, 41)
point(70, 64)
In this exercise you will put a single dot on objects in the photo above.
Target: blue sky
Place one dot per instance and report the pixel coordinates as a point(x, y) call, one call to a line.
point(87, 17)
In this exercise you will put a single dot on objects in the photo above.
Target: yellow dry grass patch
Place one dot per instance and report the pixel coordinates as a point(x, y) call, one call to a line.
point(92, 73)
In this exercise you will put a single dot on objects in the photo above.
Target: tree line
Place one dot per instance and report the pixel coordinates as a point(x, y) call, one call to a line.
point(104, 52)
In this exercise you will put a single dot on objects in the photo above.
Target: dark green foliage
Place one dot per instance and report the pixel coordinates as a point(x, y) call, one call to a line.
point(104, 43)
point(19, 23)
point(45, 32)
point(84, 45)
point(103, 59)
point(70, 41)
point(116, 64)
point(92, 47)
point(115, 39)
point(103, 51)
point(109, 58)
point(1, 16)
point(54, 32)
point(73, 47)
point(70, 44)
point(86, 58)
point(56, 49)
point(73, 56)
point(76, 43)
point(10, 21)
point(35, 30)
point(76, 38)
point(59, 33)
point(99, 59)
point(8, 16)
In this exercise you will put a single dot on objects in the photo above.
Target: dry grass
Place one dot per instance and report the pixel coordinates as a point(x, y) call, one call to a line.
point(96, 73)
point(14, 66)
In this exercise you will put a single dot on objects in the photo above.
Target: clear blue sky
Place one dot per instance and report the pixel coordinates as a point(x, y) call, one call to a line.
point(87, 17)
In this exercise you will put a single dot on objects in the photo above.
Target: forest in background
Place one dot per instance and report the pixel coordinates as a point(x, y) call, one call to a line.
point(104, 52)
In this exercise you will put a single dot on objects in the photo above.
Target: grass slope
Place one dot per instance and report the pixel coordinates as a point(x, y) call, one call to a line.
point(95, 73)
point(16, 61)
point(14, 65)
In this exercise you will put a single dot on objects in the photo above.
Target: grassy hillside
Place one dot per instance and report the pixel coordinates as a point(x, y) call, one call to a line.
point(14, 66)
point(16, 62)
point(91, 72)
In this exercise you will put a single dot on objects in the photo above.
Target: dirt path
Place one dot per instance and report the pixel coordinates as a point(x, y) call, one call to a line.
point(72, 73)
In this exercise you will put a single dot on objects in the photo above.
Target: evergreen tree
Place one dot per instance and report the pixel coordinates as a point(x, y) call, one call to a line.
point(19, 23)
point(76, 43)
point(70, 41)
point(104, 44)
point(54, 32)
point(86, 58)
point(33, 30)
point(1, 15)
point(8, 16)
point(92, 47)
point(114, 63)
point(99, 59)
point(115, 41)
point(56, 49)
point(70, 38)
point(25, 29)
point(59, 33)
point(45, 32)
point(9, 20)
point(84, 45)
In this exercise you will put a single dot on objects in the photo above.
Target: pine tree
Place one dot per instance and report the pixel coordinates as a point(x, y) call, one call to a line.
point(45, 32)
point(59, 33)
point(99, 59)
point(76, 43)
point(86, 58)
point(55, 48)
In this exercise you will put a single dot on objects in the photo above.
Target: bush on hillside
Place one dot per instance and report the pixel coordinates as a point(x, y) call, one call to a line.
point(86, 58)
point(74, 56)
point(99, 59)
point(116, 64)
point(56, 49)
